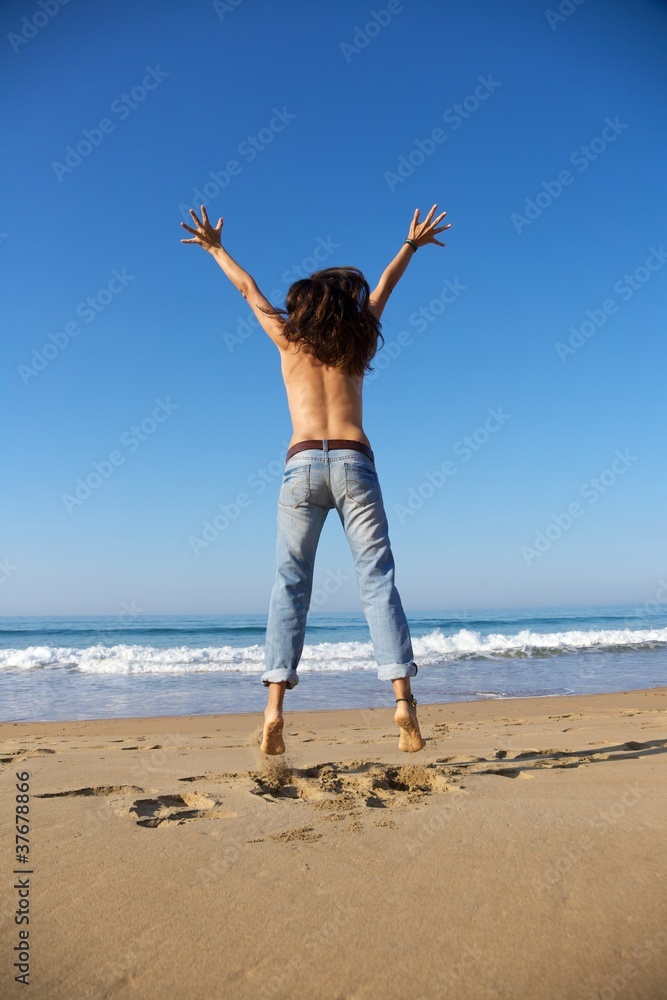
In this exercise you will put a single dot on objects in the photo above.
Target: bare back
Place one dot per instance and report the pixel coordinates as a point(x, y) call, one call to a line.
point(323, 402)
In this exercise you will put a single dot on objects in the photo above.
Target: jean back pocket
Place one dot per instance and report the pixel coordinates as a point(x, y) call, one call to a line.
point(295, 487)
point(361, 483)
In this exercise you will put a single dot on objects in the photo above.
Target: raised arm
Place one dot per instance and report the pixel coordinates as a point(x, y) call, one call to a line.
point(421, 233)
point(209, 238)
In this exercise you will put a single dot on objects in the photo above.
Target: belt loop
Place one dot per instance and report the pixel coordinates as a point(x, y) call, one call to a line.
point(325, 449)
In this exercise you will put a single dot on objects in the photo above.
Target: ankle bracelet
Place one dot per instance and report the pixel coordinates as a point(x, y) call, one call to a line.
point(411, 700)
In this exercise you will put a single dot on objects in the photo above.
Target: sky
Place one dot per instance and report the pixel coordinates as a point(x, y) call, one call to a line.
point(517, 410)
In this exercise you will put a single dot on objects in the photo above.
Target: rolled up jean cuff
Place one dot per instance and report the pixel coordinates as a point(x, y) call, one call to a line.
point(394, 671)
point(279, 675)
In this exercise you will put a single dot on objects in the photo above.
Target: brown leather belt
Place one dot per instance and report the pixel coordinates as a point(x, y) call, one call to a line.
point(332, 444)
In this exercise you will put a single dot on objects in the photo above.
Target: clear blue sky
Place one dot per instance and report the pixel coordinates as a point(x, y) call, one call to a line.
point(318, 113)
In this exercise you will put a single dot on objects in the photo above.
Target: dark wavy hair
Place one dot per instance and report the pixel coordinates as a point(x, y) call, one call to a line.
point(327, 316)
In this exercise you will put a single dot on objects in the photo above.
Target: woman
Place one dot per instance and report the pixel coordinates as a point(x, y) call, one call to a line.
point(327, 335)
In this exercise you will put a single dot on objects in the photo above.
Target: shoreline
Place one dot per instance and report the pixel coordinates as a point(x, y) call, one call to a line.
point(158, 721)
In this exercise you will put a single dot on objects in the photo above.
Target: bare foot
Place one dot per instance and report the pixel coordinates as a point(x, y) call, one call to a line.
point(273, 742)
point(405, 718)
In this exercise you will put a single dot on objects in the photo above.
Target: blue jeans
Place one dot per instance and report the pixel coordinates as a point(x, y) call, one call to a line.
point(313, 483)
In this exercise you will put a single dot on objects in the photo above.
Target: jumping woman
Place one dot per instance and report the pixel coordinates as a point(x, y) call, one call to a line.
point(327, 335)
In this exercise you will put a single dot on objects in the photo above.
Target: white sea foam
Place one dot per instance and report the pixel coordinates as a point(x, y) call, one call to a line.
point(429, 650)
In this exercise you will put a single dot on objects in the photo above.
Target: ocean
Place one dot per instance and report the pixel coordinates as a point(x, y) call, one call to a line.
point(132, 665)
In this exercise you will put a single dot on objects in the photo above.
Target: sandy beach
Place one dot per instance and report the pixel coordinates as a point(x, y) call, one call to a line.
point(521, 854)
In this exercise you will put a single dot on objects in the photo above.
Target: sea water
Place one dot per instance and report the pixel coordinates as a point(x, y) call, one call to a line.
point(59, 668)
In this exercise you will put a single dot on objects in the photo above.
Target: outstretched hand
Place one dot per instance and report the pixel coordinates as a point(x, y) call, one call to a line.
point(425, 232)
point(205, 235)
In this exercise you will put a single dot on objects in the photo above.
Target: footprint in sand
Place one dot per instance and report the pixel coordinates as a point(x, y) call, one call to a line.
point(157, 746)
point(460, 758)
point(340, 787)
point(24, 754)
point(153, 812)
point(551, 758)
point(508, 772)
point(93, 790)
point(300, 833)
point(345, 786)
